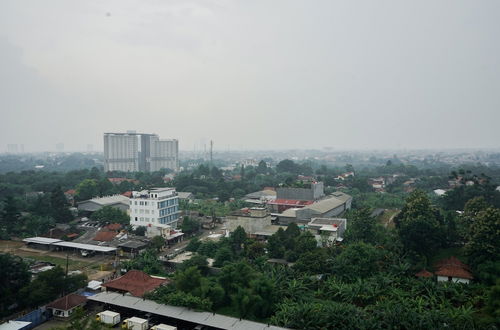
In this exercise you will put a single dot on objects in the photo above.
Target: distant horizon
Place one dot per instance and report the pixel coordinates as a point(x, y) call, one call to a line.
point(323, 150)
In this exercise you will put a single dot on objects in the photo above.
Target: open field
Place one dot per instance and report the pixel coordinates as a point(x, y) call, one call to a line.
point(88, 265)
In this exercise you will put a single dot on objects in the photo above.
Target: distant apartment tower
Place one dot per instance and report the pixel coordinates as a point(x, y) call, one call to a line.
point(12, 148)
point(136, 152)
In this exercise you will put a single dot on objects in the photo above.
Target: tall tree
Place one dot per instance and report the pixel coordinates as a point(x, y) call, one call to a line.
point(483, 240)
point(87, 189)
point(59, 206)
point(13, 276)
point(362, 227)
point(9, 217)
point(419, 225)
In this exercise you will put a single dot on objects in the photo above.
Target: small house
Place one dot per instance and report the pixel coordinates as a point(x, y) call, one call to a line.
point(65, 306)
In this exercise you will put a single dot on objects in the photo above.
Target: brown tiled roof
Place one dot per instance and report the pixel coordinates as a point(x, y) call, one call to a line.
point(68, 302)
point(114, 226)
point(105, 236)
point(452, 267)
point(127, 194)
point(451, 261)
point(135, 282)
point(424, 273)
point(450, 271)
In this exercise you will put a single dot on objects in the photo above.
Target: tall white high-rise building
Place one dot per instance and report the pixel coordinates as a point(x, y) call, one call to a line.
point(156, 209)
point(137, 152)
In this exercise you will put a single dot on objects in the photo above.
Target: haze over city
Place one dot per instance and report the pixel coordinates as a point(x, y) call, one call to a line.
point(251, 74)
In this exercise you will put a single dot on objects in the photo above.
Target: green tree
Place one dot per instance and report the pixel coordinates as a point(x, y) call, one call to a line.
point(357, 260)
point(87, 189)
point(362, 227)
point(223, 255)
point(59, 206)
point(419, 225)
point(35, 225)
point(110, 214)
point(190, 225)
point(9, 217)
point(158, 242)
point(276, 244)
point(188, 280)
point(262, 167)
point(147, 262)
point(483, 240)
point(14, 275)
point(238, 238)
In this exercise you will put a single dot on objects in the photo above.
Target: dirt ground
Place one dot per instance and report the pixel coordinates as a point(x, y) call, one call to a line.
point(91, 266)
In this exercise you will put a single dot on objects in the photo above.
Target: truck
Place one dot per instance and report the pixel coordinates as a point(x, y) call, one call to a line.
point(108, 317)
point(163, 327)
point(135, 323)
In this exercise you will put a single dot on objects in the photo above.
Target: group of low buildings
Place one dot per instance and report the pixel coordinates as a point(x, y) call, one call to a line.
point(305, 205)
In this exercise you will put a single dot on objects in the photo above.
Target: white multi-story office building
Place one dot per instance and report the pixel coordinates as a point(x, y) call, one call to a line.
point(134, 152)
point(156, 209)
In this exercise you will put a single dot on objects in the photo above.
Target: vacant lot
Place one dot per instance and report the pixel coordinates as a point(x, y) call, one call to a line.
point(75, 261)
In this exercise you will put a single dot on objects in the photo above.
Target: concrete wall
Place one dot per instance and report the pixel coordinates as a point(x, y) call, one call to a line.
point(453, 279)
point(304, 194)
point(250, 224)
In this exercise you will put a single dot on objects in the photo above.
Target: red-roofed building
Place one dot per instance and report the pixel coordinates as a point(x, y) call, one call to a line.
point(70, 196)
point(280, 205)
point(65, 306)
point(135, 282)
point(105, 236)
point(424, 273)
point(453, 270)
point(120, 180)
point(127, 194)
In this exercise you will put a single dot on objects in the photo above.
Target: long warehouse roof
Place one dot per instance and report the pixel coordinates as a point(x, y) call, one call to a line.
point(58, 242)
point(182, 313)
point(89, 247)
point(41, 240)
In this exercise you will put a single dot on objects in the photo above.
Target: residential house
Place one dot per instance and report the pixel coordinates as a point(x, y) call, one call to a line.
point(135, 283)
point(453, 270)
point(65, 306)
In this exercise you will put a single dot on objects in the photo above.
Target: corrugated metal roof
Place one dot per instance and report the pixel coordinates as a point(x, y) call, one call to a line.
point(182, 313)
point(108, 200)
point(330, 203)
point(41, 240)
point(89, 247)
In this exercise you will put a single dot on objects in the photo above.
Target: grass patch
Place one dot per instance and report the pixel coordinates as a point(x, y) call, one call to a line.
point(72, 264)
point(385, 218)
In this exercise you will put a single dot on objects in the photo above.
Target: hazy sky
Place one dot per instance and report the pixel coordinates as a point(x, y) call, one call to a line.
point(251, 74)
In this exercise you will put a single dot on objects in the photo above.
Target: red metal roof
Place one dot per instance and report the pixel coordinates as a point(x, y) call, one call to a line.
point(135, 282)
point(68, 302)
point(290, 202)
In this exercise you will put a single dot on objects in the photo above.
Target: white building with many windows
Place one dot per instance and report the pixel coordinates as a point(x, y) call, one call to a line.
point(156, 209)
